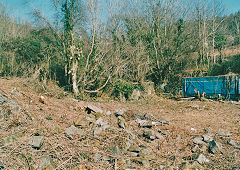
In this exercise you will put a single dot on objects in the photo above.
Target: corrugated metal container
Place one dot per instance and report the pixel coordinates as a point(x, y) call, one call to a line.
point(226, 86)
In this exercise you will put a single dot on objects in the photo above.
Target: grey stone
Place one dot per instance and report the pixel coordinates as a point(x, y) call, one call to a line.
point(195, 148)
point(46, 163)
point(97, 131)
point(121, 122)
point(134, 148)
point(207, 138)
point(9, 140)
point(136, 94)
point(202, 159)
point(115, 150)
point(159, 136)
point(102, 124)
point(72, 130)
point(15, 108)
point(148, 133)
point(120, 112)
point(224, 133)
point(203, 148)
point(91, 108)
point(233, 143)
point(148, 87)
point(97, 157)
point(198, 140)
point(146, 153)
point(3, 99)
point(1, 166)
point(133, 154)
point(108, 113)
point(37, 142)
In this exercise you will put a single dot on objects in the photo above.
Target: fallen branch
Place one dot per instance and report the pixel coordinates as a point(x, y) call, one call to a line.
point(98, 90)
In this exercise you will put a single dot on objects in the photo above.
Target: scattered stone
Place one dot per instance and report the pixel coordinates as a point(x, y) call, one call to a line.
point(3, 99)
point(102, 124)
point(159, 136)
point(195, 106)
point(207, 138)
point(202, 159)
point(203, 148)
point(91, 108)
point(134, 148)
point(136, 94)
point(108, 113)
point(233, 143)
point(73, 130)
point(133, 154)
point(81, 123)
point(9, 140)
point(121, 122)
point(90, 119)
point(148, 87)
point(97, 157)
point(144, 123)
point(146, 153)
point(120, 112)
point(224, 133)
point(195, 148)
point(1, 166)
point(196, 165)
point(198, 140)
point(97, 131)
point(46, 163)
point(37, 142)
point(148, 133)
point(115, 150)
point(143, 161)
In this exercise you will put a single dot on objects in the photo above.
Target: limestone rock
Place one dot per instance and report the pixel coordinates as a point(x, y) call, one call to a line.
point(121, 122)
point(115, 150)
point(37, 142)
point(136, 94)
point(198, 140)
point(46, 163)
point(97, 131)
point(148, 133)
point(207, 138)
point(3, 99)
point(9, 140)
point(73, 130)
point(202, 159)
point(134, 148)
point(120, 112)
point(92, 108)
point(224, 133)
point(195, 148)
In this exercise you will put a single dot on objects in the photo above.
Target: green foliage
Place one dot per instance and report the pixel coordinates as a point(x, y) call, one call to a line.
point(124, 88)
point(230, 66)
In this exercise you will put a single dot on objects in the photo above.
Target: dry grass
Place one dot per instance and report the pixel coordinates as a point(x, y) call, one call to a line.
point(52, 118)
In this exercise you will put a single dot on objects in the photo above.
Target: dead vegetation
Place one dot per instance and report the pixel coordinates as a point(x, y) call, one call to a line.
point(115, 147)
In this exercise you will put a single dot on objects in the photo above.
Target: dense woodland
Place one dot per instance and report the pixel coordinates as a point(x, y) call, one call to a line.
point(158, 41)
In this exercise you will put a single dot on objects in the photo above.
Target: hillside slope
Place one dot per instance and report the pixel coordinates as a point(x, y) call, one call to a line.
point(151, 133)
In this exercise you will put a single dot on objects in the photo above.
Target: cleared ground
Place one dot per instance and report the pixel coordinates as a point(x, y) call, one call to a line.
point(187, 120)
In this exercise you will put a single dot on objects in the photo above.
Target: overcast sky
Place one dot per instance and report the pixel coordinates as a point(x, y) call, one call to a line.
point(22, 8)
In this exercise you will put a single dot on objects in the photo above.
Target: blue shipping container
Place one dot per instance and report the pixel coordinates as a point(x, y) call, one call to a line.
point(227, 86)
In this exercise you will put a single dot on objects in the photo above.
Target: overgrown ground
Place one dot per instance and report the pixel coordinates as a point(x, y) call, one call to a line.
point(116, 147)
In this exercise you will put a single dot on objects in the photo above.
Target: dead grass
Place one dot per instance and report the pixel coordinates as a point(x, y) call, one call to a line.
point(52, 118)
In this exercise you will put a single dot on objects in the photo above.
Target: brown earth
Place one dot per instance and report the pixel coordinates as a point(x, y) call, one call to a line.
point(187, 120)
